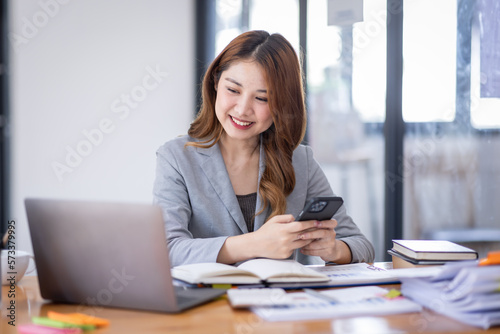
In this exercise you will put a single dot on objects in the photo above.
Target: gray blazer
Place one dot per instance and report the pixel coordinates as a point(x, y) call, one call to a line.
point(200, 208)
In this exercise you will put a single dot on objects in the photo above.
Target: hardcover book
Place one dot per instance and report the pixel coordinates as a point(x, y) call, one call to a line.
point(402, 261)
point(435, 250)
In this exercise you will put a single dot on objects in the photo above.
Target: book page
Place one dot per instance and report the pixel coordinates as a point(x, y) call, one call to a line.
point(281, 270)
point(346, 275)
point(213, 273)
point(359, 301)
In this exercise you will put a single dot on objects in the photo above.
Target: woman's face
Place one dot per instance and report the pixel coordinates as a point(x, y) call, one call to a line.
point(241, 103)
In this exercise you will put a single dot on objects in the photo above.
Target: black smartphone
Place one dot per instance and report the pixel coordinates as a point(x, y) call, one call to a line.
point(320, 208)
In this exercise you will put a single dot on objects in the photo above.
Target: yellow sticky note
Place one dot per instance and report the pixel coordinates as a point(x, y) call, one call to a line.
point(393, 293)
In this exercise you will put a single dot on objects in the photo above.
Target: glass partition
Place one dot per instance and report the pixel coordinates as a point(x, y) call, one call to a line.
point(346, 105)
point(451, 81)
point(452, 170)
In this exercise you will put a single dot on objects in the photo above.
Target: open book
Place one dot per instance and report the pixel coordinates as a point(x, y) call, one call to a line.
point(249, 272)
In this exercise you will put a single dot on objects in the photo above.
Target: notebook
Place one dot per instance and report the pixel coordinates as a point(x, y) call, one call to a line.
point(106, 254)
point(433, 250)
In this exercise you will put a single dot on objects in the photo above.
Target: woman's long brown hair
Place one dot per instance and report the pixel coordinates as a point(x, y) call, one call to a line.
point(286, 104)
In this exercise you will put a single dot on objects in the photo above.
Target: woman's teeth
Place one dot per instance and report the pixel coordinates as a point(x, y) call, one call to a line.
point(240, 123)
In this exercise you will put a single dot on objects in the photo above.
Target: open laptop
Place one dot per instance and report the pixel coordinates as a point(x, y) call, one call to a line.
point(106, 254)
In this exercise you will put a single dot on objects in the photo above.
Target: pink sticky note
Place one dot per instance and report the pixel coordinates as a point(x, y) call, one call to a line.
point(37, 329)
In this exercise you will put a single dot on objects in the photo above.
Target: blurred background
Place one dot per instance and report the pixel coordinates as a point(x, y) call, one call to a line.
point(404, 117)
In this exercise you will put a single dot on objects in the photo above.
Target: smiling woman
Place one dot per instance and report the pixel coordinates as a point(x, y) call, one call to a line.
point(264, 57)
point(231, 188)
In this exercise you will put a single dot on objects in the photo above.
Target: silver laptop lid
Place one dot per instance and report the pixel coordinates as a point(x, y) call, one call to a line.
point(106, 254)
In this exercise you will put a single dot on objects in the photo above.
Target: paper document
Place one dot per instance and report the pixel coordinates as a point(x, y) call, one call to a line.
point(365, 300)
point(436, 273)
point(347, 275)
point(469, 294)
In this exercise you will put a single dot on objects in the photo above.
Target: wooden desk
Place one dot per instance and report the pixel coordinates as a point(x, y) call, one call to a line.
point(218, 317)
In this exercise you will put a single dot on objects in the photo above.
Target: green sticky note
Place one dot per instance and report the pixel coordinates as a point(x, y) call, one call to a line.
point(222, 286)
point(44, 321)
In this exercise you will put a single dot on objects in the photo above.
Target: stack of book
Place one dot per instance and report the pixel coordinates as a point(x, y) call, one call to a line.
point(461, 290)
point(418, 253)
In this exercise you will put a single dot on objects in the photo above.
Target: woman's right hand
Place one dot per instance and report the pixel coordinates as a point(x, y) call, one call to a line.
point(280, 236)
point(276, 239)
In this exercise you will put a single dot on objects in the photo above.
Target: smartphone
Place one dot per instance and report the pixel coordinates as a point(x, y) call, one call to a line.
point(320, 208)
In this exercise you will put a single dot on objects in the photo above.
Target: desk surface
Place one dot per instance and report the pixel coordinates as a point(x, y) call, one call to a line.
point(218, 317)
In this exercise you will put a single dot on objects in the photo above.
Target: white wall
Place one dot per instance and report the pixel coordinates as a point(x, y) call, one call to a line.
point(82, 65)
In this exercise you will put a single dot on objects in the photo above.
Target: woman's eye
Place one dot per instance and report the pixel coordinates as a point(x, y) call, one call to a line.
point(263, 99)
point(232, 90)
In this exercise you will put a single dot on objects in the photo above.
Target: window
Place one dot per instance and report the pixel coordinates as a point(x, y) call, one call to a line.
point(485, 67)
point(236, 16)
point(338, 101)
point(450, 50)
point(429, 55)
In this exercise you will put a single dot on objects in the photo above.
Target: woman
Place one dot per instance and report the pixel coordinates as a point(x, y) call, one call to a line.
point(231, 188)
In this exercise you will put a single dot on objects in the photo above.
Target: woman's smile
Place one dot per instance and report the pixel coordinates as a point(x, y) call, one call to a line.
point(240, 124)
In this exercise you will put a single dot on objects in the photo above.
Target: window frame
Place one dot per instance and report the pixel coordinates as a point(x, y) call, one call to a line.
point(394, 129)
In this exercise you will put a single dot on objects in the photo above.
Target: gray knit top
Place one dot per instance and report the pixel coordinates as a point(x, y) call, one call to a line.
point(247, 205)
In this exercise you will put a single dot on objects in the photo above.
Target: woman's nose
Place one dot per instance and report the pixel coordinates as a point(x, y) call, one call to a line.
point(243, 105)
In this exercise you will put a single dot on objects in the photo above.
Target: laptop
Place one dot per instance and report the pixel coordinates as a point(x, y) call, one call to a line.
point(106, 254)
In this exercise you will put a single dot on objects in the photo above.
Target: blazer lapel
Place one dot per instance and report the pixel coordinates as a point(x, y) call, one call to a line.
point(215, 170)
point(260, 219)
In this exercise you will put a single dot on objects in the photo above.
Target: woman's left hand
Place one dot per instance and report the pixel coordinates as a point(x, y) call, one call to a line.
point(324, 244)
